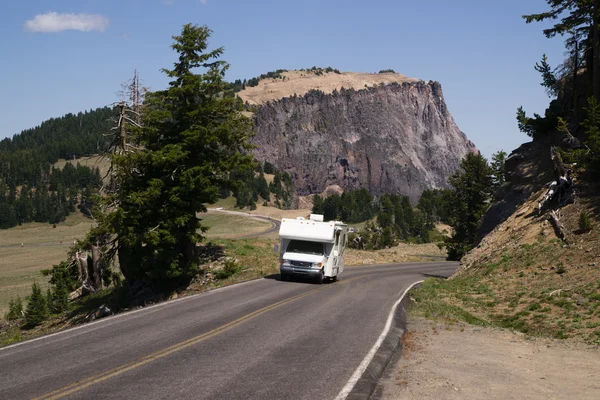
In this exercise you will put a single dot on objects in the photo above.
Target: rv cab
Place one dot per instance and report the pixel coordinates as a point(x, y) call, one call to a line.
point(312, 248)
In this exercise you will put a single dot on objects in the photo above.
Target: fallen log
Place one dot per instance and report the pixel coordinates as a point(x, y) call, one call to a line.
point(559, 229)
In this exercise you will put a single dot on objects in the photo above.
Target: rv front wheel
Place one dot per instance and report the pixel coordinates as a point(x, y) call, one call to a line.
point(320, 278)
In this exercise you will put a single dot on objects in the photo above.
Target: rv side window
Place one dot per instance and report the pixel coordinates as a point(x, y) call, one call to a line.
point(302, 246)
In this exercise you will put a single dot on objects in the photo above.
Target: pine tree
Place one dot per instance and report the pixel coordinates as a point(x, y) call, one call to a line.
point(317, 204)
point(581, 20)
point(60, 297)
point(192, 138)
point(262, 186)
point(15, 309)
point(592, 131)
point(37, 308)
point(498, 168)
point(472, 192)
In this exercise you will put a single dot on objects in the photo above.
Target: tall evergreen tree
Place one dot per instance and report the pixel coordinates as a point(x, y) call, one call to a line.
point(192, 138)
point(581, 20)
point(472, 192)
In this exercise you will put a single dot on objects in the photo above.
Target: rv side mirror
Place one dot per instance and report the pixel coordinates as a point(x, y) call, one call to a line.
point(336, 253)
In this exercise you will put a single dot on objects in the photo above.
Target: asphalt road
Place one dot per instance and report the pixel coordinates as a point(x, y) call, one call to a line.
point(264, 339)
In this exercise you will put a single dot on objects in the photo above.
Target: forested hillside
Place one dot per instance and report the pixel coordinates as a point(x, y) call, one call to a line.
point(30, 189)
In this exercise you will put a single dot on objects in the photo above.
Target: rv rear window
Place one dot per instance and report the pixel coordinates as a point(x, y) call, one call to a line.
point(302, 246)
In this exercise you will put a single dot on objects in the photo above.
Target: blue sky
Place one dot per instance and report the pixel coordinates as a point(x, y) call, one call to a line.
point(481, 52)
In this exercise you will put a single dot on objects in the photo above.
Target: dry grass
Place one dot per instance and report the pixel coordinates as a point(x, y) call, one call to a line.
point(301, 82)
point(93, 162)
point(42, 247)
point(404, 252)
point(523, 277)
point(224, 226)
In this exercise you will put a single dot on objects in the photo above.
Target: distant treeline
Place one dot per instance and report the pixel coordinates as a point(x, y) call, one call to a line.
point(30, 188)
point(253, 185)
point(391, 217)
point(71, 187)
point(238, 85)
point(26, 158)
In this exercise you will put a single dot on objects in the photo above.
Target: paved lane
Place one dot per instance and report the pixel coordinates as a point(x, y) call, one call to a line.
point(265, 339)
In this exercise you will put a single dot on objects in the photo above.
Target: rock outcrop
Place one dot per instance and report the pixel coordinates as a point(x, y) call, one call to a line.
point(396, 137)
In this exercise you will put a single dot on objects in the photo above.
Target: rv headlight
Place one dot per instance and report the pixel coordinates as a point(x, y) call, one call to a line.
point(285, 261)
point(317, 265)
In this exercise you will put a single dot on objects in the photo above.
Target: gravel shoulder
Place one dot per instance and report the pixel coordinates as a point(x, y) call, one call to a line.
point(468, 363)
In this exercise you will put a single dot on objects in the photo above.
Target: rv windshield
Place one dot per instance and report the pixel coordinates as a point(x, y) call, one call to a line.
point(301, 246)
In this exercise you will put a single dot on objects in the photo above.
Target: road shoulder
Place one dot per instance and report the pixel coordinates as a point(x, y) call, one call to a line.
point(467, 362)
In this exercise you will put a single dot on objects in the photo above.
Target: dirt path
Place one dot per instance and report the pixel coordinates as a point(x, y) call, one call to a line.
point(473, 363)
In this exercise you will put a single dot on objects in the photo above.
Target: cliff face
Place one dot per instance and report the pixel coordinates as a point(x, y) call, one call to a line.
point(389, 138)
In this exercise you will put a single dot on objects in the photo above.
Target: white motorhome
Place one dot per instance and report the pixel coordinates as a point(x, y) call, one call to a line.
point(312, 248)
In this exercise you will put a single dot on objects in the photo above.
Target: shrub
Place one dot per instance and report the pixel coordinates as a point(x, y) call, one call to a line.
point(585, 223)
point(231, 268)
point(37, 309)
point(15, 309)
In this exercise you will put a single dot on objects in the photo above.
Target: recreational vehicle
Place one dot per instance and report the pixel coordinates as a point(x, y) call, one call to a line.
point(312, 248)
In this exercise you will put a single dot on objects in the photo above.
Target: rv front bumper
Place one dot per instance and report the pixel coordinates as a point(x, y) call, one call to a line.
point(291, 270)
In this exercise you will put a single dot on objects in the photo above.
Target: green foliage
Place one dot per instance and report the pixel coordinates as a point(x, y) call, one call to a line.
point(320, 71)
point(549, 80)
point(537, 125)
point(498, 168)
point(250, 187)
point(230, 268)
point(50, 201)
point(585, 222)
point(387, 71)
point(15, 309)
point(472, 192)
point(435, 204)
point(352, 206)
point(573, 16)
point(317, 204)
point(282, 187)
point(269, 168)
point(592, 133)
point(26, 158)
point(192, 138)
point(238, 85)
point(37, 308)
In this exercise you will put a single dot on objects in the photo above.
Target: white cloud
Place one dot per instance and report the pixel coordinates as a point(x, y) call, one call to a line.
point(204, 1)
point(55, 22)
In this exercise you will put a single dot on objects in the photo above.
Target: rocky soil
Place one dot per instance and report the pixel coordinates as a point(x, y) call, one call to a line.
point(473, 363)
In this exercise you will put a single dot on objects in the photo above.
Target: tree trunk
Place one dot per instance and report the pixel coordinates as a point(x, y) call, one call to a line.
point(124, 261)
point(97, 267)
point(82, 265)
point(576, 85)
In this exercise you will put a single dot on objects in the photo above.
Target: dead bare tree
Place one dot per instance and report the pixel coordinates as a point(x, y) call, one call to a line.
point(97, 253)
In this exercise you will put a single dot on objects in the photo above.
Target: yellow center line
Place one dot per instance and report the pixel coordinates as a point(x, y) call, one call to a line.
point(102, 376)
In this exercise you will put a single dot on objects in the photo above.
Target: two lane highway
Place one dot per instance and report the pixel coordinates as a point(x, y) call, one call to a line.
point(264, 339)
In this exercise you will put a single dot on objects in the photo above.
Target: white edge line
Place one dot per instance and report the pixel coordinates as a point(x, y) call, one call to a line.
point(127, 313)
point(367, 360)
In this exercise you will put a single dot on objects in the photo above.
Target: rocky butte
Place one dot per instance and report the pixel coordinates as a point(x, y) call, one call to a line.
point(385, 132)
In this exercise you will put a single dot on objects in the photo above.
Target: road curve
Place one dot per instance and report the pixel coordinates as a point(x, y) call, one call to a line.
point(274, 222)
point(264, 339)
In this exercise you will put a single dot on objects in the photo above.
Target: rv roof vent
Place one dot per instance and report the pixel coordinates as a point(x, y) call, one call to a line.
point(316, 217)
point(300, 218)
